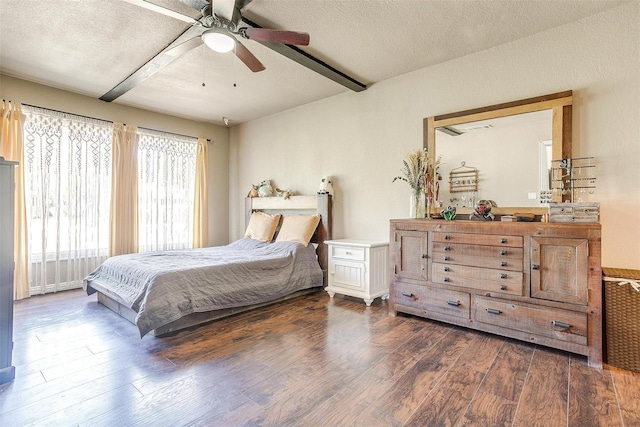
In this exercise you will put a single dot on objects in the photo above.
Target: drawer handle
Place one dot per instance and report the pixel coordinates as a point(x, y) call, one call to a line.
point(447, 237)
point(447, 248)
point(424, 256)
point(348, 253)
point(407, 294)
point(535, 266)
point(503, 264)
point(454, 303)
point(446, 279)
point(447, 258)
point(503, 287)
point(493, 311)
point(560, 324)
point(503, 240)
point(446, 269)
point(503, 252)
point(503, 276)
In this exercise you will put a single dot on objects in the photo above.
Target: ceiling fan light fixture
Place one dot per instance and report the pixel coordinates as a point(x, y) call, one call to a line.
point(219, 42)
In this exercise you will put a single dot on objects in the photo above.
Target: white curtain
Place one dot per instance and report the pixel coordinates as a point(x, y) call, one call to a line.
point(167, 173)
point(68, 192)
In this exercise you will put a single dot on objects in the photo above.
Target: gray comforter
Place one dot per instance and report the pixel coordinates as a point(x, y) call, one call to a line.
point(165, 286)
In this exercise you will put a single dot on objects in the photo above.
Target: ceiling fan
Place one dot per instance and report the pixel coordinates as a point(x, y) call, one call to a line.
point(221, 34)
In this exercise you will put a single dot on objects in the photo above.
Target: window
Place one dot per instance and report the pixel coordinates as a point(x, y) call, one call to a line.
point(67, 189)
point(167, 173)
point(68, 180)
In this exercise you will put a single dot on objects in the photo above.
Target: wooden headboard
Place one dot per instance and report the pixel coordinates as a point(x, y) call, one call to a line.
point(298, 205)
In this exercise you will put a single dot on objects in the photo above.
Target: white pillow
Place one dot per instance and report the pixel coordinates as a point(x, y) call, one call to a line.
point(262, 226)
point(298, 228)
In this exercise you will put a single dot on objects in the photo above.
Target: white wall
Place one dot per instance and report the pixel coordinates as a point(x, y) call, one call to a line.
point(361, 138)
point(17, 90)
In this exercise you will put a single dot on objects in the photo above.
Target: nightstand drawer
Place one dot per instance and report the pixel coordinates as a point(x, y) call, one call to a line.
point(346, 252)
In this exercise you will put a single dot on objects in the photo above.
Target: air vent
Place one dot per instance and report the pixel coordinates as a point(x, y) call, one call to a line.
point(472, 128)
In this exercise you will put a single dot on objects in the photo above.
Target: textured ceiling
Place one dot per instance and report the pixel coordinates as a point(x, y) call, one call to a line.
point(90, 46)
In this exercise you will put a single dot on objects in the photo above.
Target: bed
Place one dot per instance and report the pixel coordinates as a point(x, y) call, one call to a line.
point(163, 292)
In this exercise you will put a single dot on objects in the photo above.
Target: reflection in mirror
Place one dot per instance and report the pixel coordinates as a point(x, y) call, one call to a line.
point(509, 154)
point(510, 144)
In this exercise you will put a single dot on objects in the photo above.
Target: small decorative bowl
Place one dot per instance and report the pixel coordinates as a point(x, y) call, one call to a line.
point(449, 213)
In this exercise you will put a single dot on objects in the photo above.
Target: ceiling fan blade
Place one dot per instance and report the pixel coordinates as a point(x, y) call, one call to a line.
point(184, 47)
point(276, 36)
point(248, 58)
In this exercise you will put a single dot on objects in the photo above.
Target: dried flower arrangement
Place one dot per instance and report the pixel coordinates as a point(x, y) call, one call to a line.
point(414, 170)
point(421, 175)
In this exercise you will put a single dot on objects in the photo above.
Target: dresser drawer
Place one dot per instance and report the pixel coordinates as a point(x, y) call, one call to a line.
point(479, 239)
point(441, 301)
point(346, 252)
point(554, 323)
point(506, 258)
point(484, 279)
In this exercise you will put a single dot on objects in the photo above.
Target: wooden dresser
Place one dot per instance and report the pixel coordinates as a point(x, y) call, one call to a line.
point(537, 282)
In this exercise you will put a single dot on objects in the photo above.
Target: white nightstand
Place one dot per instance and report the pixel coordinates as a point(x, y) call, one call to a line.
point(358, 268)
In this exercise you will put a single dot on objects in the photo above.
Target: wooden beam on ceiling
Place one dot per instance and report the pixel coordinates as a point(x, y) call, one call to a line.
point(307, 60)
point(152, 66)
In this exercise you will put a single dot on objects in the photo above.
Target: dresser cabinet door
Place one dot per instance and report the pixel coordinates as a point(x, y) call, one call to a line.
point(411, 255)
point(559, 269)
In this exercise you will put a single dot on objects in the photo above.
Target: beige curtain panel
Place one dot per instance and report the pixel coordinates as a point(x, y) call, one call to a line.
point(12, 148)
point(201, 201)
point(123, 220)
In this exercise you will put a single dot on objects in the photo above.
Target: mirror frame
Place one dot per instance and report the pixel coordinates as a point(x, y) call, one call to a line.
point(561, 105)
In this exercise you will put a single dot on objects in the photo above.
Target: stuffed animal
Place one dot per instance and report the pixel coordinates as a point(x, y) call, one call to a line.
point(253, 192)
point(265, 189)
point(326, 186)
point(283, 193)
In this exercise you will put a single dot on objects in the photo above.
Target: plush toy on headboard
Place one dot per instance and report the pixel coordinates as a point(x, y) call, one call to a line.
point(253, 192)
point(326, 187)
point(285, 194)
point(265, 189)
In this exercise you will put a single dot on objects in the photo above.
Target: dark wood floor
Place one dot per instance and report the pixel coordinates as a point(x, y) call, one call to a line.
point(311, 361)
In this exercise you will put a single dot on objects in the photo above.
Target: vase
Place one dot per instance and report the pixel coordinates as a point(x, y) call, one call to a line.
point(417, 205)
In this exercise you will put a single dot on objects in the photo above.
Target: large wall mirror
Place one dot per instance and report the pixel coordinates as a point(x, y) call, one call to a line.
point(510, 145)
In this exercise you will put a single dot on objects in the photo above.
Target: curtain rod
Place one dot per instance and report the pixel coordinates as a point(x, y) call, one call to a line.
point(110, 121)
point(170, 133)
point(66, 112)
